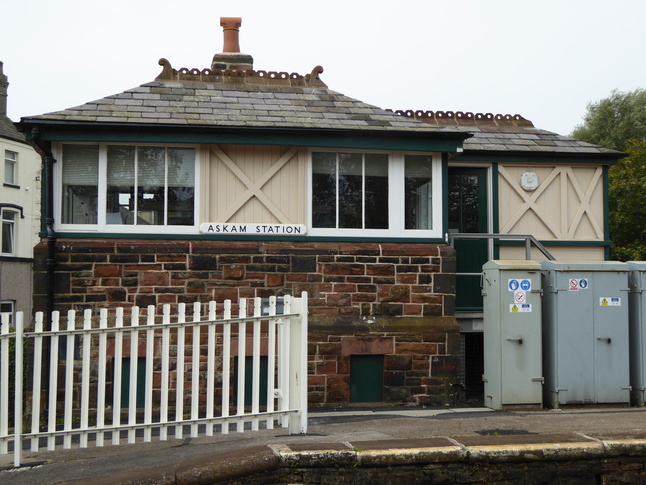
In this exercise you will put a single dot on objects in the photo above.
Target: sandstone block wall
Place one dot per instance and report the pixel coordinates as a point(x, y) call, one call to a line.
point(395, 300)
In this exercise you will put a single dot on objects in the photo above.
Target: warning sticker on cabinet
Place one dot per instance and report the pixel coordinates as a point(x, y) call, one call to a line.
point(610, 301)
point(520, 308)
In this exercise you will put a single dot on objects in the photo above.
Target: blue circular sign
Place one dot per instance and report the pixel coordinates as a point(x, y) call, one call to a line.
point(583, 284)
point(513, 285)
point(525, 285)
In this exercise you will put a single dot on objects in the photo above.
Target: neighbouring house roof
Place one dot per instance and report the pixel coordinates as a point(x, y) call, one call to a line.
point(505, 134)
point(8, 130)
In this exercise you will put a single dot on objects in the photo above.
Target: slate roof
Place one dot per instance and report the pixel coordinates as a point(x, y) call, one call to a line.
point(259, 99)
point(507, 133)
point(9, 131)
point(240, 99)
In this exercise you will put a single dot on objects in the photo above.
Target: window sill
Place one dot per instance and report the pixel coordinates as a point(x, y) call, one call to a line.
point(12, 186)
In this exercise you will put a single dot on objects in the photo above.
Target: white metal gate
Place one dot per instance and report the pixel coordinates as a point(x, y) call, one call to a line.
point(190, 385)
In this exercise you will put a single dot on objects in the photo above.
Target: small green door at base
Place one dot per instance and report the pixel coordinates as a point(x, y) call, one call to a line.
point(248, 380)
point(140, 382)
point(366, 378)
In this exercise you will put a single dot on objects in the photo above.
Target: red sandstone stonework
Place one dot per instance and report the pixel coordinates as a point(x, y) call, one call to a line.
point(395, 300)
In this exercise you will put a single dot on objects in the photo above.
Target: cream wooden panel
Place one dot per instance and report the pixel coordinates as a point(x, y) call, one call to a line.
point(567, 205)
point(561, 253)
point(256, 184)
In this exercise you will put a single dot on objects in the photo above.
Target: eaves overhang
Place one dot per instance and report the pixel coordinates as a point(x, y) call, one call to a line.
point(551, 157)
point(67, 131)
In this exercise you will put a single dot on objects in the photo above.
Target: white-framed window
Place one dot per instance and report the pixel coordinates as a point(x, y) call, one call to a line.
point(7, 310)
point(10, 167)
point(9, 220)
point(385, 194)
point(127, 188)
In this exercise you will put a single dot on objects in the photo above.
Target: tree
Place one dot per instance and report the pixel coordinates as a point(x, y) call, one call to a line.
point(619, 123)
point(626, 194)
point(615, 120)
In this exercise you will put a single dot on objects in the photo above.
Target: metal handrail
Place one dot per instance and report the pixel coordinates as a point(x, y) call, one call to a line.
point(529, 240)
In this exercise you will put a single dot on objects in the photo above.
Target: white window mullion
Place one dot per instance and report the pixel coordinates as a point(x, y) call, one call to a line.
point(437, 196)
point(396, 193)
point(102, 186)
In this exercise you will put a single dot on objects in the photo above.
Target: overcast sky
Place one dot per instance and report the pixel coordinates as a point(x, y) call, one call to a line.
point(545, 60)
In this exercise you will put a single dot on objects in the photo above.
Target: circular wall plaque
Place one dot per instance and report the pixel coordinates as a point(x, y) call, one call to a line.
point(529, 181)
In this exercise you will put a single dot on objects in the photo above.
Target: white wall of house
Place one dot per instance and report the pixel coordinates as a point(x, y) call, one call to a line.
point(23, 191)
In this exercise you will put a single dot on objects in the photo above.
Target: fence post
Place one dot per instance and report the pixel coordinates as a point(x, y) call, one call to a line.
point(298, 364)
point(18, 395)
point(4, 380)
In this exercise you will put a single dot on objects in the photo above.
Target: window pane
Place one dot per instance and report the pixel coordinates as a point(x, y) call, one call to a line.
point(376, 203)
point(151, 174)
point(181, 186)
point(464, 203)
point(323, 189)
point(8, 219)
point(7, 308)
point(418, 192)
point(120, 201)
point(80, 184)
point(350, 190)
point(10, 159)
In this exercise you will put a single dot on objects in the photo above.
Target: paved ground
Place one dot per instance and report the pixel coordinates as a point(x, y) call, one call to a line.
point(347, 428)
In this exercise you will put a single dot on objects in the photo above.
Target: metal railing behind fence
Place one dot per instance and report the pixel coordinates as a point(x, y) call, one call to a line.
point(120, 379)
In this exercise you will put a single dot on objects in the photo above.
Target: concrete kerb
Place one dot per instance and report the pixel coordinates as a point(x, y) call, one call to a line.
point(252, 461)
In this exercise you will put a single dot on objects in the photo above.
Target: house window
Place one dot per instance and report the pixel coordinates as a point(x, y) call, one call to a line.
point(375, 194)
point(128, 186)
point(7, 308)
point(8, 232)
point(10, 166)
point(80, 184)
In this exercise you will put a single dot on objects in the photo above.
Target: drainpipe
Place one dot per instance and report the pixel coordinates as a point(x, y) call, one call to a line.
point(48, 199)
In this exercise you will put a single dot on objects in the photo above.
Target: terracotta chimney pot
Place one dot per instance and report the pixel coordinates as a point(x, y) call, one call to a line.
point(231, 57)
point(231, 27)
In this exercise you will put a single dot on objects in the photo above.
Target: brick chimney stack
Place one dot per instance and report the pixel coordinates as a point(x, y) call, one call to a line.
point(231, 57)
point(4, 84)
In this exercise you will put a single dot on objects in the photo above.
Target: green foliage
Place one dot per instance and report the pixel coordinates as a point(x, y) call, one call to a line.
point(618, 122)
point(615, 120)
point(626, 195)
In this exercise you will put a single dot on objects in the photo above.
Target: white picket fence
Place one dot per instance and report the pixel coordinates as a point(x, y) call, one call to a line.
point(188, 367)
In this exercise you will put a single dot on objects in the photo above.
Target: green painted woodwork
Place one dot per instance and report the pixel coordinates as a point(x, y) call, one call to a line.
point(366, 378)
point(141, 382)
point(248, 380)
point(559, 158)
point(375, 140)
point(467, 195)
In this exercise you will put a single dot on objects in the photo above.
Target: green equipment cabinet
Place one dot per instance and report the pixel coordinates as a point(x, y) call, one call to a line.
point(585, 332)
point(513, 375)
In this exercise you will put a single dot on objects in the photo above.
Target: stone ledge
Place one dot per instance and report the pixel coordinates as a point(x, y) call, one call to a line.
point(245, 466)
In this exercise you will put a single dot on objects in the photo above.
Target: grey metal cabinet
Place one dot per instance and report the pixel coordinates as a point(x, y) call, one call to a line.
point(585, 332)
point(512, 334)
point(637, 320)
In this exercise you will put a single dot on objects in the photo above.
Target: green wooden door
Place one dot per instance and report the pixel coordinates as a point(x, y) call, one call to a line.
point(468, 214)
point(366, 378)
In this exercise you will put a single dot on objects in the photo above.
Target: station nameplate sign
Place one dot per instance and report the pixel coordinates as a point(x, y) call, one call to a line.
point(220, 228)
